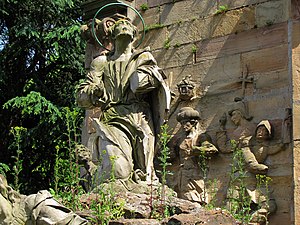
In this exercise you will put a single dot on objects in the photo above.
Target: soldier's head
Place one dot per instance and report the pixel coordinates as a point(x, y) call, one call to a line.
point(263, 131)
point(236, 116)
point(188, 118)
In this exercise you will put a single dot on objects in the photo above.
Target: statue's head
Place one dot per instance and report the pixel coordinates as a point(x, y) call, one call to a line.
point(263, 131)
point(123, 27)
point(236, 116)
point(188, 118)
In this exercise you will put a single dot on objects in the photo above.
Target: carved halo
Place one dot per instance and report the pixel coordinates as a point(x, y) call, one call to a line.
point(121, 4)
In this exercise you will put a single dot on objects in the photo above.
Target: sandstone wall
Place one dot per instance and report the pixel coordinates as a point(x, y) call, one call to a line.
point(255, 39)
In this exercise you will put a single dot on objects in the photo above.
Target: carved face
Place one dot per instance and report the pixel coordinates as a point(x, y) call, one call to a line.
point(236, 117)
point(188, 125)
point(262, 133)
point(123, 27)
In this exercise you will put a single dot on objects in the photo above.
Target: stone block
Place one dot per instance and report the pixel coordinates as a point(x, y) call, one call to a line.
point(155, 3)
point(296, 119)
point(242, 42)
point(174, 57)
point(296, 60)
point(295, 9)
point(212, 26)
point(296, 181)
point(138, 3)
point(266, 60)
point(155, 38)
point(269, 105)
point(266, 81)
point(212, 76)
point(150, 16)
point(272, 12)
point(240, 3)
point(186, 10)
point(234, 21)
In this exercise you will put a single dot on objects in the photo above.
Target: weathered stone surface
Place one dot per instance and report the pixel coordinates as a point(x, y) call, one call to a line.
point(186, 10)
point(212, 26)
point(272, 12)
point(134, 222)
point(150, 16)
point(174, 57)
point(155, 38)
point(296, 177)
point(242, 42)
point(274, 58)
point(213, 217)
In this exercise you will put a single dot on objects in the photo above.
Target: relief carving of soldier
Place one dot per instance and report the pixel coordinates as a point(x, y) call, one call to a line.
point(255, 149)
point(243, 128)
point(188, 146)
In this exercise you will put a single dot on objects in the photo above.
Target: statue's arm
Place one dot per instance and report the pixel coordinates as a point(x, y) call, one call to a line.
point(223, 142)
point(273, 149)
point(90, 93)
point(145, 77)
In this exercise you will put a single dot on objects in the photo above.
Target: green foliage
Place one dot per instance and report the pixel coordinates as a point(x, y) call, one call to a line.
point(194, 49)
point(177, 45)
point(41, 61)
point(34, 104)
point(167, 43)
point(164, 138)
point(50, 136)
point(238, 199)
point(18, 134)
point(222, 9)
point(4, 169)
point(153, 27)
point(144, 7)
point(66, 168)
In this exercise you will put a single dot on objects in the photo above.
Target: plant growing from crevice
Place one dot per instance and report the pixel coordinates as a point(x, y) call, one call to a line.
point(66, 185)
point(153, 26)
point(177, 45)
point(238, 200)
point(167, 43)
point(262, 187)
point(212, 189)
point(18, 134)
point(164, 139)
point(144, 7)
point(222, 9)
point(106, 206)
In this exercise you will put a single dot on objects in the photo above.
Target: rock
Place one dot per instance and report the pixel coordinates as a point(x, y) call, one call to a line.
point(211, 217)
point(134, 222)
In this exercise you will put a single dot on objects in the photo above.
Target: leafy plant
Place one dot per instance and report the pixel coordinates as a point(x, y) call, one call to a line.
point(238, 199)
point(41, 51)
point(66, 185)
point(4, 168)
point(144, 7)
point(18, 133)
point(153, 27)
point(222, 9)
point(167, 43)
point(194, 49)
point(164, 139)
point(105, 205)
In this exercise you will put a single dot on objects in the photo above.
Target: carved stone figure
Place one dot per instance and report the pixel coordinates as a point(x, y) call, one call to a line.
point(130, 89)
point(243, 129)
point(255, 150)
point(186, 88)
point(35, 209)
point(188, 146)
